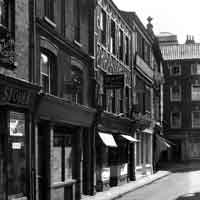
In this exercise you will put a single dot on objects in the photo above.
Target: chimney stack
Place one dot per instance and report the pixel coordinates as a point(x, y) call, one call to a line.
point(189, 39)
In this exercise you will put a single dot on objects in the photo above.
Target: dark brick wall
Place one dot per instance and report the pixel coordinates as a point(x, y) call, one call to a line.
point(186, 106)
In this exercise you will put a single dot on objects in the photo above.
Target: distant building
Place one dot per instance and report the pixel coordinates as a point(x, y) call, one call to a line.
point(182, 97)
point(166, 38)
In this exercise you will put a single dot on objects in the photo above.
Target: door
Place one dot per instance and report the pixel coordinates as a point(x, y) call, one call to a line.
point(2, 169)
point(41, 163)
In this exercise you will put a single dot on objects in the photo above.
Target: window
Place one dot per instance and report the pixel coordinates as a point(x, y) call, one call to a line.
point(175, 70)
point(127, 100)
point(17, 170)
point(103, 23)
point(49, 9)
point(126, 51)
point(175, 93)
point(110, 100)
point(62, 157)
point(7, 15)
point(48, 72)
point(138, 150)
point(112, 38)
point(195, 92)
point(77, 20)
point(195, 119)
point(121, 44)
point(195, 68)
point(175, 120)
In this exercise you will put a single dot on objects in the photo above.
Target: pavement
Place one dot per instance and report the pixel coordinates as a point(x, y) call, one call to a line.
point(119, 191)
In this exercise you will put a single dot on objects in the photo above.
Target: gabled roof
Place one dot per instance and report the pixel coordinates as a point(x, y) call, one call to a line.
point(181, 51)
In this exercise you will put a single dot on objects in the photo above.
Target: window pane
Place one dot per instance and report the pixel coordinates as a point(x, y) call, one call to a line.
point(196, 119)
point(176, 119)
point(196, 92)
point(16, 156)
point(44, 60)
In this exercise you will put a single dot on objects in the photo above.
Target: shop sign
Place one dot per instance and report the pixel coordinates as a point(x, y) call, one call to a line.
point(12, 95)
point(114, 81)
point(105, 174)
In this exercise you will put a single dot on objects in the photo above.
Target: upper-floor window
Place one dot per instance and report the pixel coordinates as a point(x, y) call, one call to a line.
point(50, 9)
point(48, 72)
point(77, 19)
point(175, 120)
point(195, 68)
point(7, 15)
point(195, 93)
point(112, 38)
point(175, 70)
point(196, 119)
point(121, 38)
point(103, 23)
point(175, 93)
point(126, 51)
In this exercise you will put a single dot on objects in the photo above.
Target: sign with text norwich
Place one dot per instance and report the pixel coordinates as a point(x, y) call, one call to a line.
point(114, 81)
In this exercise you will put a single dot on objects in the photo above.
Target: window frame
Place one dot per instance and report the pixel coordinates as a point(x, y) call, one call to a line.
point(180, 120)
point(172, 99)
point(49, 12)
point(192, 92)
point(196, 65)
point(52, 69)
point(173, 66)
point(192, 117)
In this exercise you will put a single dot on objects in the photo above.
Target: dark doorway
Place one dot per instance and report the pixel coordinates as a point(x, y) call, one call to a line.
point(176, 151)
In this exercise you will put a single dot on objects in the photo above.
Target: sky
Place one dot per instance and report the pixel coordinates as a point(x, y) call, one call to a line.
point(179, 17)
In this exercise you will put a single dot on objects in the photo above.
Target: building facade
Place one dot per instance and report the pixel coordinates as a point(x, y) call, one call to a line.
point(113, 67)
point(181, 98)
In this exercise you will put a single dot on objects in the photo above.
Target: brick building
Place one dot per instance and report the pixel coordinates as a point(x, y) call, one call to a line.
point(181, 97)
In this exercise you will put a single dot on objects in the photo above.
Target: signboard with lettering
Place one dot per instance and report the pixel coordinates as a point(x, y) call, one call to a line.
point(14, 95)
point(114, 81)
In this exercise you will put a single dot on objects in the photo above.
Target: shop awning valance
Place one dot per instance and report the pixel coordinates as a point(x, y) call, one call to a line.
point(108, 139)
point(147, 130)
point(131, 139)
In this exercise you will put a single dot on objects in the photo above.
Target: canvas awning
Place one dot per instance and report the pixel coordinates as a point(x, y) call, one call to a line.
point(130, 138)
point(107, 139)
point(147, 130)
point(163, 143)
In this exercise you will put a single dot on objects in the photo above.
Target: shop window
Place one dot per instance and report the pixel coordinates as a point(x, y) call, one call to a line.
point(112, 38)
point(121, 102)
point(62, 158)
point(175, 120)
point(16, 166)
point(195, 119)
point(121, 42)
point(50, 10)
point(127, 100)
point(195, 68)
point(48, 72)
point(103, 23)
point(110, 100)
point(175, 93)
point(195, 93)
point(138, 150)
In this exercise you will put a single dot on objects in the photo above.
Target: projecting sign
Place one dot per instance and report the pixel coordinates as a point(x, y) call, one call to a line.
point(114, 81)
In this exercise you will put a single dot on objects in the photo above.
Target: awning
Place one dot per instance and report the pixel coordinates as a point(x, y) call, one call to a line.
point(163, 143)
point(108, 139)
point(147, 130)
point(131, 139)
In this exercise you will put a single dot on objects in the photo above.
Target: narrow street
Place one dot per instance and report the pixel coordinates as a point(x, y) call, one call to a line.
point(182, 184)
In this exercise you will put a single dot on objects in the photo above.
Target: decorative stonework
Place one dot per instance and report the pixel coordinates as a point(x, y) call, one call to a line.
point(110, 64)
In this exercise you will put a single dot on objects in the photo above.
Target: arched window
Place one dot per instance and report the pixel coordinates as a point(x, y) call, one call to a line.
point(48, 72)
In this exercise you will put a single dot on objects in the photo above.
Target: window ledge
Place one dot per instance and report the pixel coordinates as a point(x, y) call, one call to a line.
point(50, 22)
point(78, 43)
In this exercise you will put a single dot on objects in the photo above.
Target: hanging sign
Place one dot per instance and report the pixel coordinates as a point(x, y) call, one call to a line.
point(114, 81)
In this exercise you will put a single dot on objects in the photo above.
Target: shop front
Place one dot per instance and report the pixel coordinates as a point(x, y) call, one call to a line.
point(17, 102)
point(144, 152)
point(114, 151)
point(62, 132)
